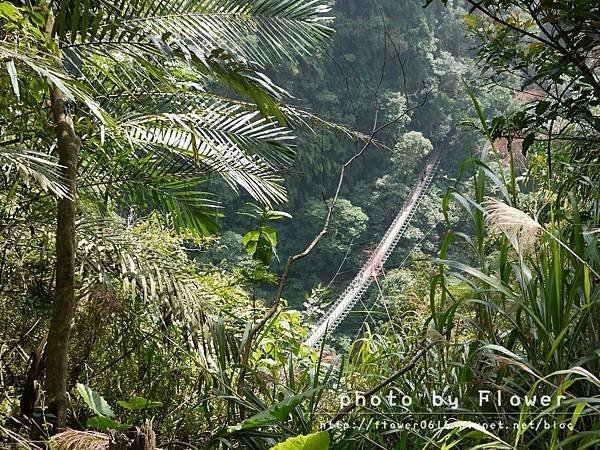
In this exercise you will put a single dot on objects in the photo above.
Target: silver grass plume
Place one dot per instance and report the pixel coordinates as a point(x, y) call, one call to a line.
point(520, 229)
point(79, 440)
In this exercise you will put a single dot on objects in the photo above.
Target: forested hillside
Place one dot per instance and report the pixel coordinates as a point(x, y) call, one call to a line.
point(388, 62)
point(189, 189)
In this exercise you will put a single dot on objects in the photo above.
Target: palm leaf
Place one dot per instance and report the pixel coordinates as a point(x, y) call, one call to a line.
point(242, 147)
point(43, 168)
point(121, 259)
point(45, 67)
point(252, 30)
point(143, 181)
point(227, 38)
point(180, 200)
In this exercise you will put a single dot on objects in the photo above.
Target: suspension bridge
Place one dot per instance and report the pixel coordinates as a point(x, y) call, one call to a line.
point(374, 264)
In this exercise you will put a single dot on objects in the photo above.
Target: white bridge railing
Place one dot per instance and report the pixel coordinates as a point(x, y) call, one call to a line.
point(374, 264)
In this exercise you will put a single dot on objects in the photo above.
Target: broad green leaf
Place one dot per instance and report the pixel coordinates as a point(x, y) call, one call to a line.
point(9, 11)
point(528, 142)
point(104, 424)
point(271, 235)
point(275, 413)
point(261, 244)
point(139, 403)
point(250, 241)
point(276, 215)
point(95, 401)
point(315, 441)
point(264, 249)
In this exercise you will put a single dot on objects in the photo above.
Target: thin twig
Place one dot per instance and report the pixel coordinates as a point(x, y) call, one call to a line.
point(408, 366)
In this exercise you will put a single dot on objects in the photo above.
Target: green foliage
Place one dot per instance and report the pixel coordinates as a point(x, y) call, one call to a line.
point(533, 310)
point(104, 419)
point(261, 244)
point(316, 303)
point(160, 114)
point(411, 148)
point(275, 413)
point(95, 401)
point(163, 129)
point(104, 423)
point(177, 116)
point(348, 223)
point(543, 44)
point(139, 403)
point(404, 50)
point(315, 441)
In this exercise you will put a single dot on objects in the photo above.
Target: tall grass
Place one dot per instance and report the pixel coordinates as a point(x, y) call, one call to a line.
point(533, 308)
point(514, 298)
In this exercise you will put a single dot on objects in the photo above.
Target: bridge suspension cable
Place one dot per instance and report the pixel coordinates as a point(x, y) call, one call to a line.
point(363, 279)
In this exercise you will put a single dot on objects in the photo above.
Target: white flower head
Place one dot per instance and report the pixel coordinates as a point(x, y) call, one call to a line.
point(518, 227)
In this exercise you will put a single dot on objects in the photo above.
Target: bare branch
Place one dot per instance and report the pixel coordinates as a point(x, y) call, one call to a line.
point(408, 366)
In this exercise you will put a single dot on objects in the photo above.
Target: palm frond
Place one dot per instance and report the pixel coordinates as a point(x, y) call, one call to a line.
point(252, 30)
point(242, 147)
point(180, 200)
point(43, 168)
point(224, 39)
point(142, 181)
point(119, 76)
point(125, 261)
point(44, 66)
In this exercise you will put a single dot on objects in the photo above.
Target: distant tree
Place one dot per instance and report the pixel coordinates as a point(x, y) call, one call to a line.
point(407, 154)
point(552, 49)
point(348, 224)
point(392, 189)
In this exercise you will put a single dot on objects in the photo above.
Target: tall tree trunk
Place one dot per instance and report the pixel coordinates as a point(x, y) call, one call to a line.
point(63, 304)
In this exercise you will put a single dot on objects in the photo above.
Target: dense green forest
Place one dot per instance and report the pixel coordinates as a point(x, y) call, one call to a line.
point(299, 224)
